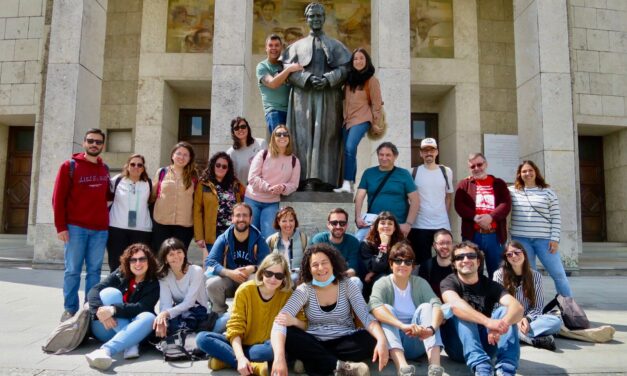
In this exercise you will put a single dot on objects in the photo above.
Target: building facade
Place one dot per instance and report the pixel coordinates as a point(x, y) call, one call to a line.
point(553, 73)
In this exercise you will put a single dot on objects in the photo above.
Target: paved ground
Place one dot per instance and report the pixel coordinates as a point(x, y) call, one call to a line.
point(32, 303)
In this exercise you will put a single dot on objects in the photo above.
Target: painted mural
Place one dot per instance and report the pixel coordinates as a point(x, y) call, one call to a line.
point(431, 28)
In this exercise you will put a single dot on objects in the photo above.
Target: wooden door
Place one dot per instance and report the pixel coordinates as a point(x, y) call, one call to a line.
point(592, 188)
point(17, 181)
point(194, 128)
point(422, 126)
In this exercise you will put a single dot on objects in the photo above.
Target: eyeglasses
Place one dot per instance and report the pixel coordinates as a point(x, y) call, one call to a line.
point(282, 134)
point(476, 165)
point(134, 260)
point(338, 223)
point(511, 254)
point(240, 127)
point(222, 166)
point(92, 141)
point(442, 244)
point(138, 165)
point(399, 262)
point(279, 276)
point(461, 256)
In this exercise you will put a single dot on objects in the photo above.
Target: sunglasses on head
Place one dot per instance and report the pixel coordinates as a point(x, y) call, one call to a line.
point(222, 166)
point(476, 165)
point(461, 256)
point(240, 127)
point(138, 165)
point(134, 260)
point(338, 223)
point(511, 254)
point(399, 262)
point(279, 276)
point(282, 134)
point(92, 141)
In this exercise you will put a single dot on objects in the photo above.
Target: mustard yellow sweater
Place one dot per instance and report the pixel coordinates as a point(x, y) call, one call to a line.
point(251, 317)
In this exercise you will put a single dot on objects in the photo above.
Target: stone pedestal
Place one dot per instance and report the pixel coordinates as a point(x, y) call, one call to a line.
point(312, 209)
point(72, 106)
point(545, 111)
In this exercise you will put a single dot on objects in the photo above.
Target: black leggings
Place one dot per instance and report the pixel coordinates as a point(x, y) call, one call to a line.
point(320, 357)
point(119, 239)
point(162, 232)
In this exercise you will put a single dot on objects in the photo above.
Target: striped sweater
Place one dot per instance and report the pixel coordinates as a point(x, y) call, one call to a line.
point(530, 311)
point(326, 326)
point(535, 214)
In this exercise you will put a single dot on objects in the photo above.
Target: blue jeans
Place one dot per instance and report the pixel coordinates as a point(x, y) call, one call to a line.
point(551, 261)
point(274, 118)
point(352, 137)
point(263, 215)
point(127, 333)
point(492, 249)
point(217, 346)
point(85, 246)
point(544, 325)
point(413, 347)
point(477, 350)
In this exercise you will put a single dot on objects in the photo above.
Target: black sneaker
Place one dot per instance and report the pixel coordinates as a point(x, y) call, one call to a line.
point(544, 342)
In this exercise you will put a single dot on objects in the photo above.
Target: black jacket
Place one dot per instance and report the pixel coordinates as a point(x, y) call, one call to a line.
point(143, 299)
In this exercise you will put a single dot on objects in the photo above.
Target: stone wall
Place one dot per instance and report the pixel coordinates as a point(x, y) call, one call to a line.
point(497, 70)
point(615, 158)
point(599, 62)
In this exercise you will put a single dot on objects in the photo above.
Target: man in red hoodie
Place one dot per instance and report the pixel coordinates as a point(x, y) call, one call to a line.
point(81, 217)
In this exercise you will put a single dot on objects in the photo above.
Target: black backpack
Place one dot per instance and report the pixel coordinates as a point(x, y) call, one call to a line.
point(180, 346)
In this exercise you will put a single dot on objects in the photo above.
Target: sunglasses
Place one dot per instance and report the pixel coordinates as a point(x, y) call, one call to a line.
point(511, 254)
point(222, 166)
point(476, 165)
point(134, 260)
point(138, 165)
point(338, 223)
point(461, 256)
point(240, 127)
point(92, 141)
point(399, 262)
point(282, 134)
point(279, 276)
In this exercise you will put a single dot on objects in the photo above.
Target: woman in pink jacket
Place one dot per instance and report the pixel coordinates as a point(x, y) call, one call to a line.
point(273, 172)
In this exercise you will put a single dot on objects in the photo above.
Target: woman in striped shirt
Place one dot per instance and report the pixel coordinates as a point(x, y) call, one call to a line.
point(332, 344)
point(525, 284)
point(536, 222)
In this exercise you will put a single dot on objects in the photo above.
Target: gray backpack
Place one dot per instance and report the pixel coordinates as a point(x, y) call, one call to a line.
point(69, 334)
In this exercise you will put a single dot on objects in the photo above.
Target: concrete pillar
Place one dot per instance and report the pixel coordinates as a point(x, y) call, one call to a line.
point(232, 68)
point(72, 102)
point(545, 111)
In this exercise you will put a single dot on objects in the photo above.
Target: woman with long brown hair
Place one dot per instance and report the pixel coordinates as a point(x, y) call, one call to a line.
point(521, 281)
point(129, 217)
point(244, 148)
point(173, 190)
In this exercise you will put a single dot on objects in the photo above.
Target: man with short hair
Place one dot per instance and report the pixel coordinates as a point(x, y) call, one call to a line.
point(346, 244)
point(81, 217)
point(271, 77)
point(234, 257)
point(483, 202)
point(483, 329)
point(434, 183)
point(388, 188)
point(435, 269)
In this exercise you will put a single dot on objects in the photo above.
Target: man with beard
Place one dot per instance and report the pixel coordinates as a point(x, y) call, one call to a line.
point(434, 183)
point(484, 315)
point(81, 217)
point(435, 269)
point(346, 244)
point(233, 258)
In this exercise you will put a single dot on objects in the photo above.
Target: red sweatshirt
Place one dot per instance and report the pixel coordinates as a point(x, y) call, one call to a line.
point(82, 201)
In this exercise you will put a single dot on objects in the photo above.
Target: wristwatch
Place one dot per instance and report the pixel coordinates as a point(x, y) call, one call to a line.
point(432, 329)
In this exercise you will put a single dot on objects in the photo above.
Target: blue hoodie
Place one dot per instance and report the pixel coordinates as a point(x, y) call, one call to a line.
point(216, 260)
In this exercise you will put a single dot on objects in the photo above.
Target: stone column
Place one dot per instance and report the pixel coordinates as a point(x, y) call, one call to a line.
point(72, 103)
point(545, 112)
point(232, 68)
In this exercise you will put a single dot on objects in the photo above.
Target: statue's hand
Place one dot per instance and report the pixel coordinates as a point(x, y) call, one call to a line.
point(320, 83)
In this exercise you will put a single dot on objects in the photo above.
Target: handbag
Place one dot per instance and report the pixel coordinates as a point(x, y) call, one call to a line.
point(376, 131)
point(573, 315)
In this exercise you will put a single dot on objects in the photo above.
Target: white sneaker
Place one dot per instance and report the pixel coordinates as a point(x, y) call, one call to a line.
point(100, 359)
point(345, 188)
point(132, 352)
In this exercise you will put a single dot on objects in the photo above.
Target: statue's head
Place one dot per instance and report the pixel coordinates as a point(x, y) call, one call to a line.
point(314, 13)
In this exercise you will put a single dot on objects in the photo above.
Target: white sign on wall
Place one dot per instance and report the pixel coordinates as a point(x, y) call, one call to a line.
point(501, 152)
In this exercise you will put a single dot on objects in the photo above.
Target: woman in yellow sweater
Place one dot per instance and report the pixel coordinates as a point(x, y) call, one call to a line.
point(246, 344)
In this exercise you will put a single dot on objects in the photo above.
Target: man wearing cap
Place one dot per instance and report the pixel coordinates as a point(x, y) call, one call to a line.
point(434, 183)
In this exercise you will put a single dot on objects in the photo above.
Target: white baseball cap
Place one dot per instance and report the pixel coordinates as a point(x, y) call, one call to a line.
point(428, 143)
